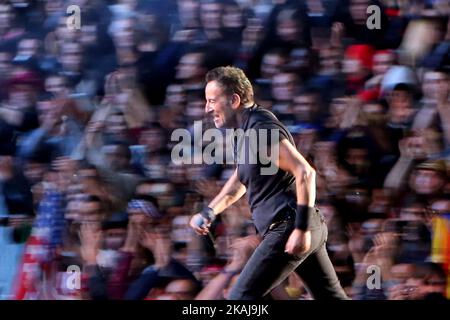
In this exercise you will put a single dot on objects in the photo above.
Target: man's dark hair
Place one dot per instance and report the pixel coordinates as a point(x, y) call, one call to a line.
point(426, 270)
point(445, 69)
point(403, 87)
point(91, 198)
point(233, 81)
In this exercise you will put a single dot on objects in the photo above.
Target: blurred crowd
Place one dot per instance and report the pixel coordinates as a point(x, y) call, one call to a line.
point(93, 207)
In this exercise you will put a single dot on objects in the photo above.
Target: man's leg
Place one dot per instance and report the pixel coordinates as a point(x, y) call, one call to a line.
point(318, 274)
point(270, 265)
point(267, 267)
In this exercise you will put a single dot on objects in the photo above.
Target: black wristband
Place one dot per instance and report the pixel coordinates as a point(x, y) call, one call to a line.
point(302, 216)
point(208, 214)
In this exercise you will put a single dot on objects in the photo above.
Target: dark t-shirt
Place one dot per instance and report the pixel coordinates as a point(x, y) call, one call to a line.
point(270, 190)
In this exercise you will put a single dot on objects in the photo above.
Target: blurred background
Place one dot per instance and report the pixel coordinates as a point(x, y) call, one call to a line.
point(86, 116)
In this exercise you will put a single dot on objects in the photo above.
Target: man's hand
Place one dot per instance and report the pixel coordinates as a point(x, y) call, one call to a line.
point(133, 232)
point(159, 244)
point(299, 242)
point(90, 238)
point(200, 224)
point(337, 33)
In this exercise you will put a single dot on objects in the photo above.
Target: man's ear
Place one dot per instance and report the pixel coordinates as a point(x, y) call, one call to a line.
point(235, 101)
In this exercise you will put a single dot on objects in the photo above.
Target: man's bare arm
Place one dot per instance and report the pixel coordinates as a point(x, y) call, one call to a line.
point(292, 161)
point(231, 192)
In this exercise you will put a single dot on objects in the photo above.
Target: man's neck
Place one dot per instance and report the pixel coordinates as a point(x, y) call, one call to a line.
point(240, 115)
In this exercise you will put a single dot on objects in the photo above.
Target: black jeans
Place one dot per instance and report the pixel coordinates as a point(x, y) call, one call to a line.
point(270, 265)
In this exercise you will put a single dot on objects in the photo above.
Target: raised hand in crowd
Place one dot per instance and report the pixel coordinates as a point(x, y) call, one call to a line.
point(90, 238)
point(159, 243)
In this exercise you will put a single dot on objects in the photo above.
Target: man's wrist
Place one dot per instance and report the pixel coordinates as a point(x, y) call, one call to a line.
point(302, 216)
point(208, 213)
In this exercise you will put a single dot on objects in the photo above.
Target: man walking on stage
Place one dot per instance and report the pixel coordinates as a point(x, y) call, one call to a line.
point(294, 232)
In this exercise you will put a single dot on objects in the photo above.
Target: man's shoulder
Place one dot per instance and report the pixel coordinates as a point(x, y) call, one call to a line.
point(262, 115)
point(264, 119)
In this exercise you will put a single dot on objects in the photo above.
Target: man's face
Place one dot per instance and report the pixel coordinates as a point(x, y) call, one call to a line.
point(55, 85)
point(271, 65)
point(180, 289)
point(188, 8)
point(299, 59)
point(34, 172)
point(73, 210)
point(188, 67)
point(22, 96)
point(66, 34)
point(153, 139)
point(89, 35)
point(358, 10)
point(427, 182)
point(90, 211)
point(46, 110)
point(338, 107)
point(114, 238)
point(435, 284)
point(125, 34)
point(358, 158)
point(137, 216)
point(176, 173)
point(283, 86)
point(382, 62)
point(232, 17)
point(412, 212)
point(329, 58)
point(28, 47)
point(288, 30)
point(304, 108)
point(417, 146)
point(351, 66)
point(401, 272)
point(175, 95)
point(218, 105)
point(435, 84)
point(211, 15)
point(400, 99)
point(194, 109)
point(72, 57)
